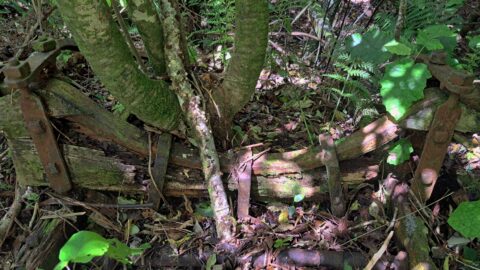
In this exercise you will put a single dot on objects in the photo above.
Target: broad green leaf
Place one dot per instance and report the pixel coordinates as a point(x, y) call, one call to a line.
point(436, 37)
point(399, 152)
point(397, 48)
point(83, 246)
point(466, 219)
point(474, 42)
point(369, 46)
point(402, 84)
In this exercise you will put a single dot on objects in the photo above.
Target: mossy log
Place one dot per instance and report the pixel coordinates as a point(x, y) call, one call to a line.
point(91, 169)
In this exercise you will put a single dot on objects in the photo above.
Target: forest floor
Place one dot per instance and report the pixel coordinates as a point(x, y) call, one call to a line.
point(288, 112)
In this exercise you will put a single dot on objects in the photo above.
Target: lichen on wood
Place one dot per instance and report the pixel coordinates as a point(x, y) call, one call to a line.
point(196, 118)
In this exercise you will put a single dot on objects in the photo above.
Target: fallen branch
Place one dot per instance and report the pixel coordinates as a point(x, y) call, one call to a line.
point(7, 220)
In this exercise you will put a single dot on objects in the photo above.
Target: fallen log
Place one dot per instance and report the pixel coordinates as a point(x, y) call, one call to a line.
point(91, 169)
point(64, 101)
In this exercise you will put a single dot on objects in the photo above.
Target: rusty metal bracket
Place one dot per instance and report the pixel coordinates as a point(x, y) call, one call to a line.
point(443, 125)
point(25, 77)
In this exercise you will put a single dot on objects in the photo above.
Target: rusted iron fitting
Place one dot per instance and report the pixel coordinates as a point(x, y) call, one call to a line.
point(24, 76)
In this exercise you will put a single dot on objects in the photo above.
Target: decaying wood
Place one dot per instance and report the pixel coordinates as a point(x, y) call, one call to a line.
point(312, 184)
point(88, 168)
point(40, 249)
point(64, 101)
point(411, 232)
point(337, 200)
point(155, 191)
point(243, 175)
point(7, 220)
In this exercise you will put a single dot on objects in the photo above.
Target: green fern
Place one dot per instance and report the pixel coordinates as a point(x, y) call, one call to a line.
point(420, 14)
point(217, 23)
point(353, 79)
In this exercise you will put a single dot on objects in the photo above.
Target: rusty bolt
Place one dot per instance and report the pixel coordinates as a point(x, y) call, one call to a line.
point(36, 126)
point(44, 44)
point(428, 176)
point(440, 136)
point(16, 70)
point(52, 168)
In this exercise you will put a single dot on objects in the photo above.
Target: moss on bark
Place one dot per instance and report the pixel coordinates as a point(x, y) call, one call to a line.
point(150, 27)
point(251, 39)
point(99, 39)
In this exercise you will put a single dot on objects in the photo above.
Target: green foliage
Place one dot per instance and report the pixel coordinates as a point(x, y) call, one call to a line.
point(204, 209)
point(280, 243)
point(474, 42)
point(83, 246)
point(402, 85)
point(466, 219)
point(369, 47)
point(437, 37)
point(399, 152)
point(397, 48)
point(353, 77)
point(420, 14)
point(217, 18)
point(20, 6)
point(212, 260)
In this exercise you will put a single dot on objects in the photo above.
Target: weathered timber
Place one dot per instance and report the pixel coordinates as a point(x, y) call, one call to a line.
point(64, 101)
point(88, 168)
point(40, 248)
point(312, 184)
point(335, 189)
point(420, 115)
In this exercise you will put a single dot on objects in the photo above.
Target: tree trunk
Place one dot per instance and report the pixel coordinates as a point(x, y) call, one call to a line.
point(99, 39)
point(251, 39)
point(150, 27)
point(198, 124)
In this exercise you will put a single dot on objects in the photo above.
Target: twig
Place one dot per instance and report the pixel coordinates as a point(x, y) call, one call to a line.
point(31, 33)
point(379, 253)
point(9, 218)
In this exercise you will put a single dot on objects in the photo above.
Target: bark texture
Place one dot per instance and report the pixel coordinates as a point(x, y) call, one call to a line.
point(150, 27)
point(251, 39)
point(99, 39)
point(197, 122)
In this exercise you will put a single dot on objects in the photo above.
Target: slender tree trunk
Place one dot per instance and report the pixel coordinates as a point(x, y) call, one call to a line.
point(150, 27)
point(197, 121)
point(251, 39)
point(99, 39)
